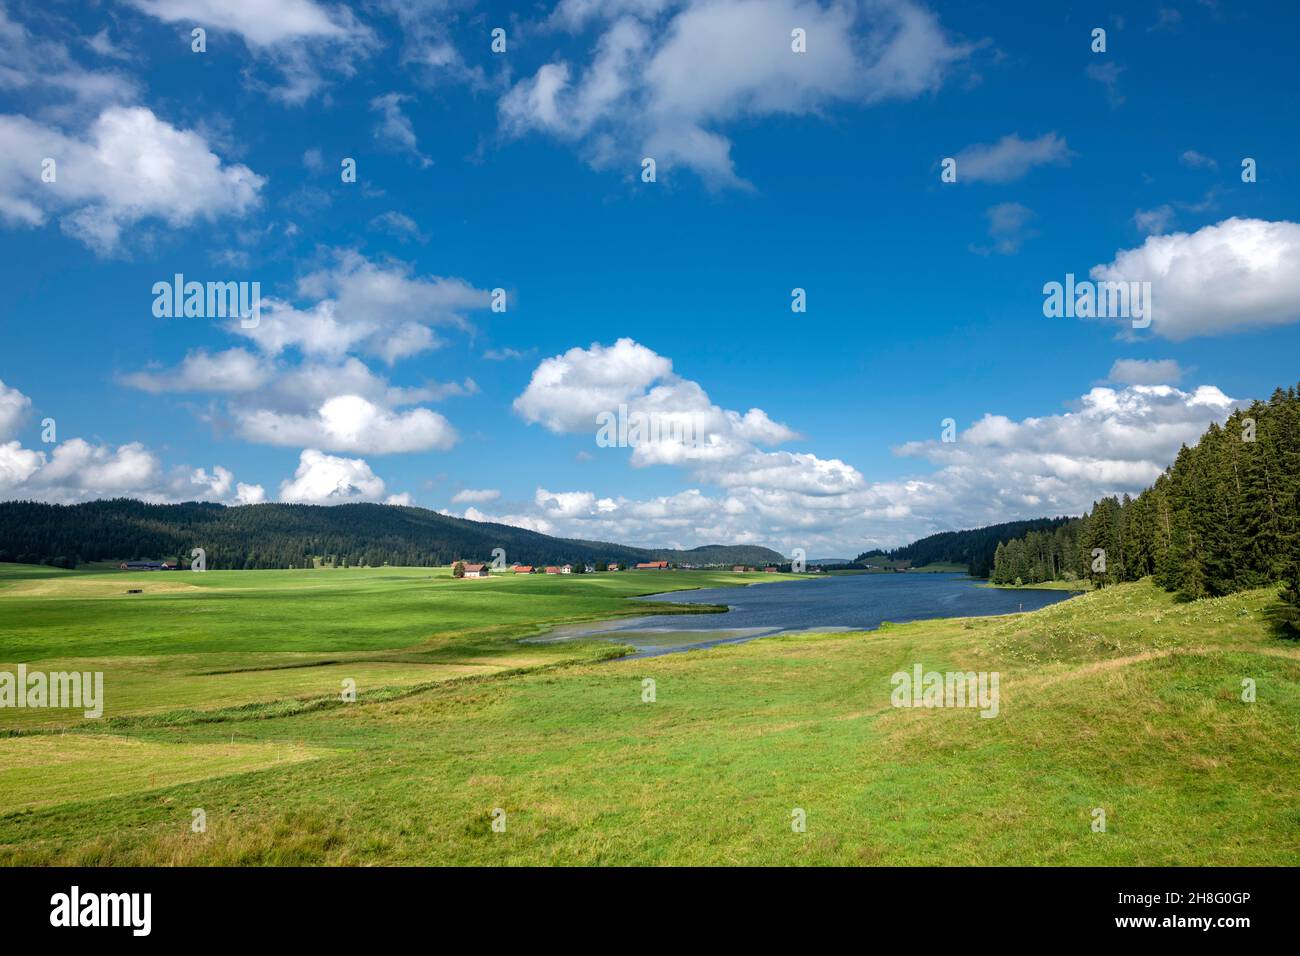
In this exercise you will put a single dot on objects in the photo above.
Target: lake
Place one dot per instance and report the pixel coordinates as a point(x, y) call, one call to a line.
point(849, 602)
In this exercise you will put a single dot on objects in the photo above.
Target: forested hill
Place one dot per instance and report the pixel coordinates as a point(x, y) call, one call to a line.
point(1224, 517)
point(291, 536)
point(974, 548)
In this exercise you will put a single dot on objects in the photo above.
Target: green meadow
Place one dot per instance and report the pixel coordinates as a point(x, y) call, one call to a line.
point(223, 694)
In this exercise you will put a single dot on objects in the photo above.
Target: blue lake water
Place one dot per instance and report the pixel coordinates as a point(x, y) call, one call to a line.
point(854, 602)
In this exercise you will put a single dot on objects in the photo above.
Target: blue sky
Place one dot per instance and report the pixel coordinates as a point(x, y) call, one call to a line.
point(379, 372)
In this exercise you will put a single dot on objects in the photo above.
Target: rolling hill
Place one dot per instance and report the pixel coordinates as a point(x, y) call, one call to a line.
point(292, 536)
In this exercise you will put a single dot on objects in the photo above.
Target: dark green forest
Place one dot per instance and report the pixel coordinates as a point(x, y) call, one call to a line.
point(294, 536)
point(974, 548)
point(1224, 517)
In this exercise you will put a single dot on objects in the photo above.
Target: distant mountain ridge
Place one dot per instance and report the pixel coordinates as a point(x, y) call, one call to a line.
point(291, 536)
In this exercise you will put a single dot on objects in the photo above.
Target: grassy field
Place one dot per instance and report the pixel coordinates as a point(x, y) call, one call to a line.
point(1119, 699)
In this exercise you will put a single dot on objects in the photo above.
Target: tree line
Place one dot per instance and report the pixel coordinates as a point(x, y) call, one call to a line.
point(1224, 517)
point(296, 536)
point(973, 548)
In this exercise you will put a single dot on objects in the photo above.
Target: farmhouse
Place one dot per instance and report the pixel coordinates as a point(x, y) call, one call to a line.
point(611, 567)
point(739, 568)
point(522, 569)
point(769, 570)
point(477, 571)
point(566, 569)
point(652, 566)
point(552, 570)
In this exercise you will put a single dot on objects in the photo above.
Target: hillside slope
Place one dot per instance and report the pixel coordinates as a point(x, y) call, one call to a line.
point(289, 536)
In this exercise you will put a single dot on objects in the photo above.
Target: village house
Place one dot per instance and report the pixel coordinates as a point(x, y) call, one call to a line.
point(522, 569)
point(611, 567)
point(770, 570)
point(552, 570)
point(566, 569)
point(477, 571)
point(652, 566)
point(739, 568)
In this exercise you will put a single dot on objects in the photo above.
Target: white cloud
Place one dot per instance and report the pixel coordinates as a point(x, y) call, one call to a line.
point(475, 496)
point(322, 479)
point(350, 423)
point(1008, 228)
point(1107, 74)
point(1114, 440)
point(1238, 274)
point(376, 309)
point(44, 71)
point(567, 391)
point(331, 400)
point(502, 355)
point(394, 128)
point(14, 407)
point(1117, 440)
point(1198, 160)
point(570, 392)
point(398, 224)
point(1154, 220)
point(77, 470)
point(249, 494)
point(531, 522)
point(131, 168)
point(1010, 158)
point(300, 39)
point(234, 370)
point(1146, 372)
point(665, 77)
point(260, 24)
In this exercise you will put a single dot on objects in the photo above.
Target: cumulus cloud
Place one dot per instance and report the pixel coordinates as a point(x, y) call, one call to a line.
point(1116, 440)
point(77, 470)
point(1111, 441)
point(382, 309)
point(665, 78)
point(350, 423)
point(1237, 274)
point(329, 399)
point(14, 407)
point(670, 420)
point(130, 168)
point(1010, 158)
point(234, 370)
point(322, 479)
